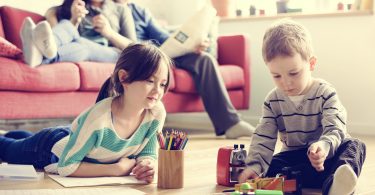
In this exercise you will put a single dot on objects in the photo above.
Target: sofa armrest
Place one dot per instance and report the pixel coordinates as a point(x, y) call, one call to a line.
point(234, 50)
point(12, 19)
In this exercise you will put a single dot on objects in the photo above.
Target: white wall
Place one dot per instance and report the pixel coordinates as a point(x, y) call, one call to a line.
point(38, 6)
point(174, 11)
point(345, 48)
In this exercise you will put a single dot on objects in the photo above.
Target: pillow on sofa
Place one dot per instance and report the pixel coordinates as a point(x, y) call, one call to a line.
point(7, 49)
point(190, 34)
point(213, 35)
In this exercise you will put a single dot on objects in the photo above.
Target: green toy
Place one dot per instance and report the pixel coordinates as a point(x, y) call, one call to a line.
point(268, 192)
point(245, 188)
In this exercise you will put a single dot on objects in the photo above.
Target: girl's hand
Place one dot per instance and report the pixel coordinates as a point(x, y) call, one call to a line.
point(317, 155)
point(124, 166)
point(246, 174)
point(202, 46)
point(101, 25)
point(144, 170)
point(78, 11)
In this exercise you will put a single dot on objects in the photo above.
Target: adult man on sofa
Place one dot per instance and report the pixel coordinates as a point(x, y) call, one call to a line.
point(203, 69)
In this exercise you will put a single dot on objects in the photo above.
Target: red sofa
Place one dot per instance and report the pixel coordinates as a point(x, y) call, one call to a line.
point(63, 90)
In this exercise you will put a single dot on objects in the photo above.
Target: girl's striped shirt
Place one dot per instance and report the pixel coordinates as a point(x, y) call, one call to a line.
point(94, 139)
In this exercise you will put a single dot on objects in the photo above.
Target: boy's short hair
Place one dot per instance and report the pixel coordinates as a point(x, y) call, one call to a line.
point(286, 38)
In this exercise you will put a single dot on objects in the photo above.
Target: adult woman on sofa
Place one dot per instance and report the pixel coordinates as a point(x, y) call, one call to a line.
point(114, 137)
point(90, 30)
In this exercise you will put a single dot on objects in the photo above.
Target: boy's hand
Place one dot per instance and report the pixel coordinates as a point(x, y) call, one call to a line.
point(246, 174)
point(144, 170)
point(317, 155)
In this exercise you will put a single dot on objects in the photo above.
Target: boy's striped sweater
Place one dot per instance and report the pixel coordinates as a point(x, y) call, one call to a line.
point(93, 139)
point(319, 117)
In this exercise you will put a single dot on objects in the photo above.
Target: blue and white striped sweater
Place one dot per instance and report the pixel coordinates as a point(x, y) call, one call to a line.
point(93, 139)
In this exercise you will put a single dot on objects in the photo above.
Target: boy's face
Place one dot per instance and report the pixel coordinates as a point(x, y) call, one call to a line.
point(292, 75)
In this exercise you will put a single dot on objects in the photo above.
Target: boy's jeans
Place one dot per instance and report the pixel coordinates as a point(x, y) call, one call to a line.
point(351, 151)
point(34, 149)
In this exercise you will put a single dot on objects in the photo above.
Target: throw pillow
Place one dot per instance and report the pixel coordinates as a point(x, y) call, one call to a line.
point(190, 34)
point(7, 49)
point(213, 34)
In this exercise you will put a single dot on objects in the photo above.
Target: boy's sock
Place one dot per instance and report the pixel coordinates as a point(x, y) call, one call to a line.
point(31, 54)
point(344, 181)
point(240, 129)
point(44, 39)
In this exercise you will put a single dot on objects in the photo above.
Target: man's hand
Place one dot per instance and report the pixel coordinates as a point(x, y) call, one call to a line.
point(101, 25)
point(317, 155)
point(144, 170)
point(246, 174)
point(78, 11)
point(202, 46)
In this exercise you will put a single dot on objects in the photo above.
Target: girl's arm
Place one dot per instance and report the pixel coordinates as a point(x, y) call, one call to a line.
point(102, 26)
point(149, 151)
point(117, 40)
point(121, 168)
point(78, 11)
point(145, 170)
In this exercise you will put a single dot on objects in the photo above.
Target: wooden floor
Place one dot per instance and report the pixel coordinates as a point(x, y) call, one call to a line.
point(200, 168)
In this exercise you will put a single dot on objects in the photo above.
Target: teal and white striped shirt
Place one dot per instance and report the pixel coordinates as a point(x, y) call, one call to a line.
point(320, 116)
point(94, 139)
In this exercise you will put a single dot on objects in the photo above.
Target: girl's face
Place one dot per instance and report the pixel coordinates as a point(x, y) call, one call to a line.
point(147, 93)
point(292, 75)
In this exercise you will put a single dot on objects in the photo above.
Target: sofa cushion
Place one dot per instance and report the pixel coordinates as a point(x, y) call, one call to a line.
point(17, 76)
point(233, 77)
point(34, 105)
point(172, 83)
point(93, 74)
point(7, 49)
point(13, 18)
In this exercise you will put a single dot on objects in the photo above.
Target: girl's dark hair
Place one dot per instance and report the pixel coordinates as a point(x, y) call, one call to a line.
point(140, 61)
point(63, 10)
